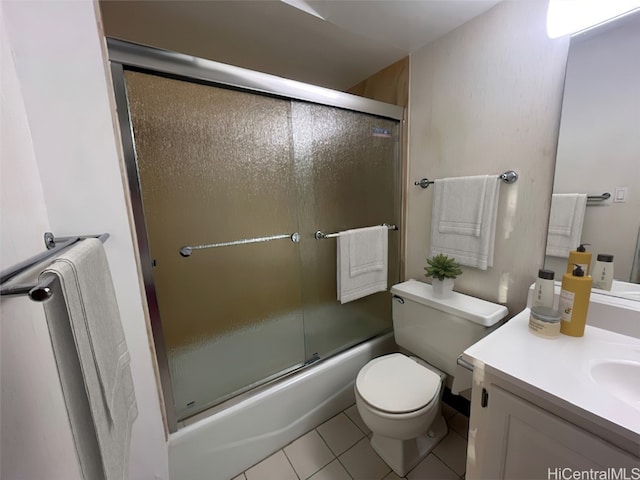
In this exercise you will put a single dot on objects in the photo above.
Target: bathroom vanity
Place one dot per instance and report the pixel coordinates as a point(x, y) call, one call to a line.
point(546, 408)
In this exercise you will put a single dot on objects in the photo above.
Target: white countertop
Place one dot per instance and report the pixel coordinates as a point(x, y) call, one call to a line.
point(561, 367)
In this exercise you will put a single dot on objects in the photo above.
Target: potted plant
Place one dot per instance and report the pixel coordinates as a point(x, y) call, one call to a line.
point(444, 270)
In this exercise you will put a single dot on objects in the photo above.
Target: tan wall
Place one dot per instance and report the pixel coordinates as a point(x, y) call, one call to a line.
point(390, 85)
point(484, 99)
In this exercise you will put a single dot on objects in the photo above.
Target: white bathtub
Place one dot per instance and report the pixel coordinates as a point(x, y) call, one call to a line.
point(229, 441)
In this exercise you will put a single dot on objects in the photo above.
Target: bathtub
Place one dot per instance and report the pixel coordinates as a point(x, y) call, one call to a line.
point(227, 440)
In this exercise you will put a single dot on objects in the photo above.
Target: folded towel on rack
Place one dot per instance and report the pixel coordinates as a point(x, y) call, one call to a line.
point(367, 249)
point(87, 303)
point(462, 204)
point(362, 262)
point(470, 207)
point(565, 223)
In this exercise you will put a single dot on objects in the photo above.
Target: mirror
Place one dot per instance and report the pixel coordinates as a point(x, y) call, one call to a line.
point(599, 146)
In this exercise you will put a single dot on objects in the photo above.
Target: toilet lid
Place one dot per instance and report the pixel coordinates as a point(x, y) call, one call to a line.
point(396, 384)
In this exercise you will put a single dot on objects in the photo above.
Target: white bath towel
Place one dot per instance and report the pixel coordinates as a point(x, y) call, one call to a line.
point(469, 227)
point(86, 302)
point(362, 262)
point(565, 223)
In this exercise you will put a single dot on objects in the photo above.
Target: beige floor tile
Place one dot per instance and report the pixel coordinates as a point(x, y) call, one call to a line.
point(452, 450)
point(340, 433)
point(459, 424)
point(274, 467)
point(333, 471)
point(308, 454)
point(240, 477)
point(432, 468)
point(362, 462)
point(352, 413)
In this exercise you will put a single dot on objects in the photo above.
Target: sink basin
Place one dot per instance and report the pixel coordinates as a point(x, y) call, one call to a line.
point(621, 378)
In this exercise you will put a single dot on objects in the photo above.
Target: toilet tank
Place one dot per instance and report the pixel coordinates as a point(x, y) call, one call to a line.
point(438, 330)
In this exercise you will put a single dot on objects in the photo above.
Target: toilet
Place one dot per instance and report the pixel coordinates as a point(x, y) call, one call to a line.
point(398, 395)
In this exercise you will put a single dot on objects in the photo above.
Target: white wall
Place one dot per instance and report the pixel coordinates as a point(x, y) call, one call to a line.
point(484, 99)
point(29, 389)
point(68, 171)
point(599, 146)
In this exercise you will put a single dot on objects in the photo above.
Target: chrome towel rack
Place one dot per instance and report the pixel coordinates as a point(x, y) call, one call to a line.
point(509, 176)
point(40, 291)
point(321, 236)
point(599, 198)
point(187, 250)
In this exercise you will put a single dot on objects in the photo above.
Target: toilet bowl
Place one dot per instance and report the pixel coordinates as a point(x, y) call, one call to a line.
point(399, 396)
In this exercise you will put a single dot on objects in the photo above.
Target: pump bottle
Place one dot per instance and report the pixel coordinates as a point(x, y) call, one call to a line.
point(603, 271)
point(581, 257)
point(574, 302)
point(543, 293)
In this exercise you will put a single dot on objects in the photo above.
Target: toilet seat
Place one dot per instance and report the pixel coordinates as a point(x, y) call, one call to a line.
point(397, 384)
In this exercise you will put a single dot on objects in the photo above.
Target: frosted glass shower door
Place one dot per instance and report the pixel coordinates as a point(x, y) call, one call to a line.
point(348, 169)
point(215, 165)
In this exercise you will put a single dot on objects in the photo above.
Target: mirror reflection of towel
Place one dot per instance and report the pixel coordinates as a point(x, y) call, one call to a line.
point(565, 223)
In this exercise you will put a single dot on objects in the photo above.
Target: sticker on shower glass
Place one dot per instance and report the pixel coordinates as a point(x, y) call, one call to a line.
point(381, 132)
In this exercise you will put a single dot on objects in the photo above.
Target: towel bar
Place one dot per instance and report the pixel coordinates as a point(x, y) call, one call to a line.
point(187, 250)
point(321, 236)
point(40, 291)
point(464, 364)
point(599, 198)
point(507, 177)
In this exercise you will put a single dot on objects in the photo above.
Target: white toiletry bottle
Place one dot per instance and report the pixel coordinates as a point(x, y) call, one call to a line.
point(603, 271)
point(543, 293)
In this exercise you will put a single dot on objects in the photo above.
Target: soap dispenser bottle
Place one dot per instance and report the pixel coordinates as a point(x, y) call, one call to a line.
point(574, 302)
point(581, 257)
point(543, 293)
point(603, 271)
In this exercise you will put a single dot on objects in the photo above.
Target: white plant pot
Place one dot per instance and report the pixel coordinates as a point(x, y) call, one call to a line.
point(442, 288)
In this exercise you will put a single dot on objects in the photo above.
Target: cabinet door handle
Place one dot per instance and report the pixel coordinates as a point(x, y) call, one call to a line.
point(484, 400)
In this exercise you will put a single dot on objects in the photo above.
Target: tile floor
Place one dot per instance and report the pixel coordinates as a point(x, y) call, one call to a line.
point(339, 450)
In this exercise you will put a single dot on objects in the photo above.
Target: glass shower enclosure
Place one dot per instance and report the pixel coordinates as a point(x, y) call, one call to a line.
point(231, 174)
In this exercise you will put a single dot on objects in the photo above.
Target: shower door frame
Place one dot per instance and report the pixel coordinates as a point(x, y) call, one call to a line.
point(125, 55)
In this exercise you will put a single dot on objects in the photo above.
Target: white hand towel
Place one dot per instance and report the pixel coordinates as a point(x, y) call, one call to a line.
point(91, 311)
point(467, 248)
point(565, 223)
point(458, 214)
point(369, 249)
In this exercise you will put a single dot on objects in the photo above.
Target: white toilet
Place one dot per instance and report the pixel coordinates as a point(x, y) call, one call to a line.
point(397, 396)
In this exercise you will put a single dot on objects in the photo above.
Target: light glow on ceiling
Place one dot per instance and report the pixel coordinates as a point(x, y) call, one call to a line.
point(303, 6)
point(567, 17)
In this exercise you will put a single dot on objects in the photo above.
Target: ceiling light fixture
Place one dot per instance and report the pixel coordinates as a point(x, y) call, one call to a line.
point(567, 17)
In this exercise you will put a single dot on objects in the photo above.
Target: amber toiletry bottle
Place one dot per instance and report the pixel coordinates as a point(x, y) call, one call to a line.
point(574, 302)
point(581, 257)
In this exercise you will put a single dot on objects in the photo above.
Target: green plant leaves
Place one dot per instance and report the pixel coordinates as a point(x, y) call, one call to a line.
point(442, 266)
